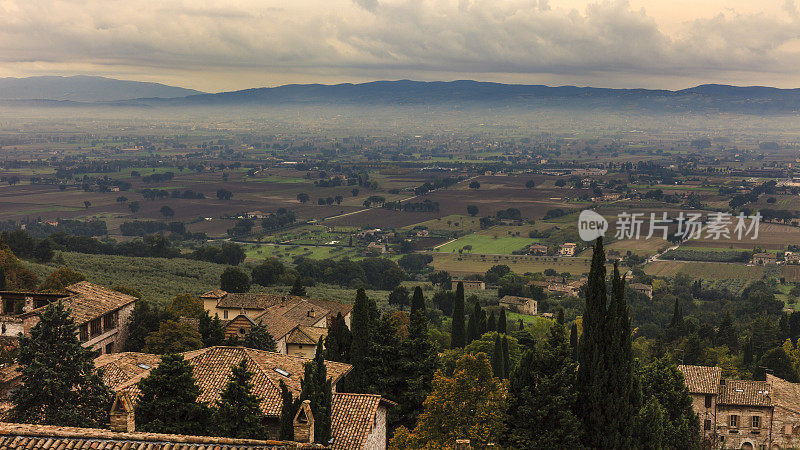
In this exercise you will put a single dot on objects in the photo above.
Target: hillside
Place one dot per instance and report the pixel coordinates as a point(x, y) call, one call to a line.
point(85, 89)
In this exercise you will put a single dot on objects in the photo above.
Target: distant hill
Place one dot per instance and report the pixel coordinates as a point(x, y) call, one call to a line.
point(86, 91)
point(467, 93)
point(82, 88)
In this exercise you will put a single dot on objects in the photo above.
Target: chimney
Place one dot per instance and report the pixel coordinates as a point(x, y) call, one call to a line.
point(304, 423)
point(122, 418)
point(462, 444)
point(311, 312)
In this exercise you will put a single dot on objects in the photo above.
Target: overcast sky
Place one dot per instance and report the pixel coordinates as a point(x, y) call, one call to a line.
point(216, 45)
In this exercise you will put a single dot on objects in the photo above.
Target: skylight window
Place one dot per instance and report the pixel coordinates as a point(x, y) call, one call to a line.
point(144, 366)
point(281, 371)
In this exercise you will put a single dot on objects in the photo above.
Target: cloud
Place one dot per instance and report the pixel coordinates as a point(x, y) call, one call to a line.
point(408, 38)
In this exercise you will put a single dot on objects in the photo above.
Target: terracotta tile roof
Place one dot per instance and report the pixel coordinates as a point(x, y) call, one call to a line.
point(121, 367)
point(745, 393)
point(277, 325)
point(265, 301)
point(47, 437)
point(89, 301)
point(701, 379)
point(353, 417)
point(212, 369)
point(785, 393)
point(514, 300)
point(306, 335)
point(216, 293)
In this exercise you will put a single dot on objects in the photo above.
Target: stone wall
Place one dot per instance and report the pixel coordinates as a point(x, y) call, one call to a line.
point(376, 439)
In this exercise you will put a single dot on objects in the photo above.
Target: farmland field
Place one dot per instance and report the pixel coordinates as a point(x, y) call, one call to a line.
point(468, 264)
point(480, 243)
point(705, 270)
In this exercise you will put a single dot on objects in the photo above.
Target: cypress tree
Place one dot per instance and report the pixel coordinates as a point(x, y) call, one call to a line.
point(458, 334)
point(316, 387)
point(2, 279)
point(260, 339)
point(418, 360)
point(363, 323)
point(473, 326)
point(506, 360)
point(491, 324)
point(560, 317)
point(297, 288)
point(482, 323)
point(593, 373)
point(59, 385)
point(677, 315)
point(338, 340)
point(289, 406)
point(497, 358)
point(238, 414)
point(573, 340)
point(502, 327)
point(623, 401)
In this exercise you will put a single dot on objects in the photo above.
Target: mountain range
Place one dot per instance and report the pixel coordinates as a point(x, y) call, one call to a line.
point(85, 90)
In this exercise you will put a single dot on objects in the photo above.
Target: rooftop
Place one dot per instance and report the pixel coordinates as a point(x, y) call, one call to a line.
point(89, 301)
point(701, 379)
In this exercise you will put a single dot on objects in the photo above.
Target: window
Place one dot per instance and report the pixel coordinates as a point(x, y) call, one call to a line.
point(756, 421)
point(84, 333)
point(110, 348)
point(707, 424)
point(225, 314)
point(708, 401)
point(95, 327)
point(733, 420)
point(110, 321)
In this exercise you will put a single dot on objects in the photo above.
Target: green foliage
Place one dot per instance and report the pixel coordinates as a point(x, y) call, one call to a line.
point(778, 363)
point(168, 400)
point(260, 339)
point(237, 413)
point(417, 361)
point(144, 320)
point(60, 279)
point(459, 331)
point(542, 388)
point(363, 323)
point(289, 406)
point(268, 272)
point(651, 424)
point(59, 385)
point(211, 330)
point(186, 305)
point(316, 387)
point(663, 382)
point(234, 279)
point(338, 340)
point(497, 358)
point(297, 288)
point(173, 337)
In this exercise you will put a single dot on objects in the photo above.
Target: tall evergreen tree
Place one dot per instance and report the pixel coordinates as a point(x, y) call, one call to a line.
point(316, 387)
point(458, 336)
point(59, 385)
point(502, 326)
point(418, 357)
point(677, 315)
point(363, 323)
point(211, 330)
point(474, 324)
point(663, 385)
point(337, 342)
point(497, 358)
point(260, 339)
point(297, 288)
point(651, 425)
point(168, 400)
point(573, 340)
point(506, 359)
point(289, 406)
point(237, 413)
point(491, 324)
point(623, 392)
point(593, 373)
point(544, 397)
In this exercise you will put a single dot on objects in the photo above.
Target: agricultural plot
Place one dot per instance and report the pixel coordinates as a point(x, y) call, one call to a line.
point(287, 253)
point(452, 223)
point(481, 243)
point(474, 263)
point(705, 270)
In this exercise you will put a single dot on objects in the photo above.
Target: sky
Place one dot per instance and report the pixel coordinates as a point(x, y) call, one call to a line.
point(220, 45)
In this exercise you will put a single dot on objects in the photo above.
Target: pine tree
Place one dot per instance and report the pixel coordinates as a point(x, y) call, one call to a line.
point(651, 425)
point(418, 357)
point(544, 397)
point(497, 358)
point(560, 318)
point(458, 335)
point(237, 413)
point(472, 328)
point(337, 342)
point(289, 406)
point(573, 340)
point(502, 326)
point(260, 339)
point(677, 316)
point(59, 385)
point(168, 400)
point(316, 387)
point(363, 323)
point(491, 324)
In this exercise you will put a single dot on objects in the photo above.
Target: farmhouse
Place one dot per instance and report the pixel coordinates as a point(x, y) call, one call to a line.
point(792, 257)
point(744, 413)
point(228, 305)
point(642, 288)
point(568, 249)
point(763, 259)
point(100, 314)
point(537, 249)
point(521, 305)
point(358, 420)
point(469, 285)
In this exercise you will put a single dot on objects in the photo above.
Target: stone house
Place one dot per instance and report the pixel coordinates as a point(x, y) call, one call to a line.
point(100, 314)
point(475, 285)
point(521, 305)
point(358, 421)
point(764, 258)
point(744, 414)
point(229, 305)
point(537, 249)
point(642, 288)
point(568, 249)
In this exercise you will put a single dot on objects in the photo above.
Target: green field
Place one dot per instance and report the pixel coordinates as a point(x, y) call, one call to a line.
point(468, 264)
point(501, 244)
point(287, 253)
